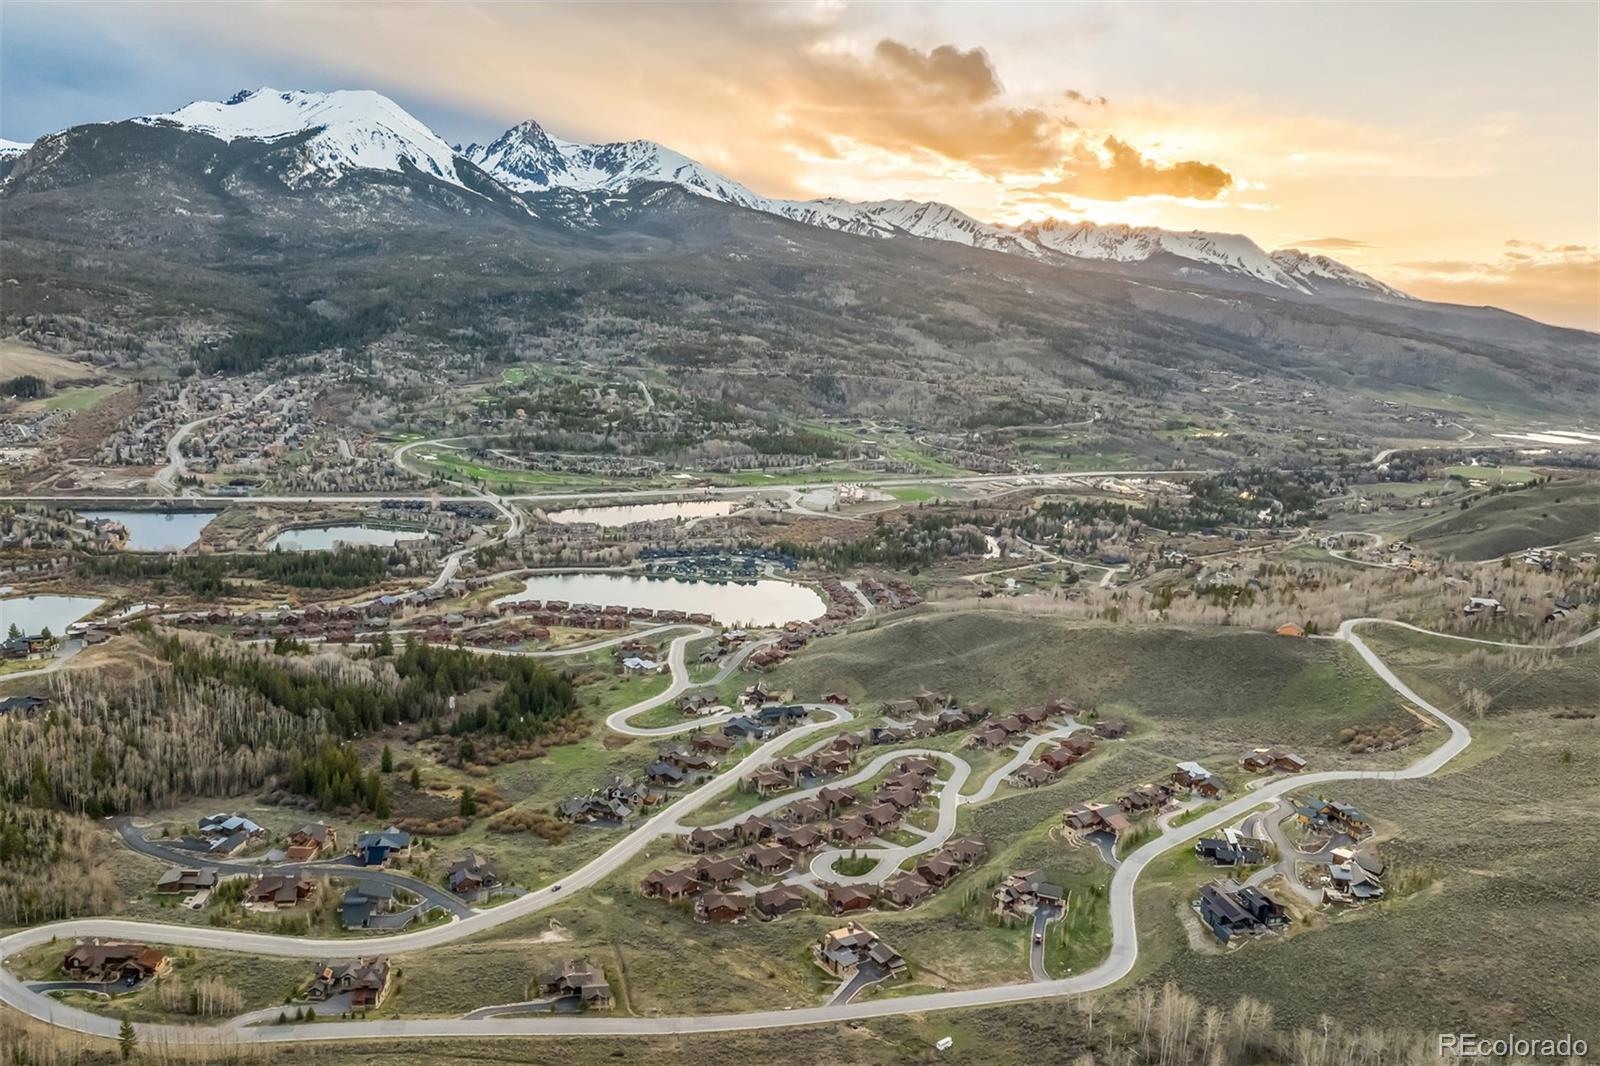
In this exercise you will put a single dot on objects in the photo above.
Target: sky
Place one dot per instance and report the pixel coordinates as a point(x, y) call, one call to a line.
point(1452, 150)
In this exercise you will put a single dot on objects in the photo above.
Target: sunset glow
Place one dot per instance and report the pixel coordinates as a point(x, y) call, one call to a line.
point(1238, 118)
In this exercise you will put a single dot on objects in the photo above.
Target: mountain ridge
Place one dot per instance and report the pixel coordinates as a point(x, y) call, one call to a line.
point(348, 131)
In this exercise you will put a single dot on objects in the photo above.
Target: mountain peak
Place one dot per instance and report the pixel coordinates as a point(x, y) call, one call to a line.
point(352, 129)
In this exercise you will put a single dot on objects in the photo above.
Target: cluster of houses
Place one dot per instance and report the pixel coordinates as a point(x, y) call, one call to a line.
point(613, 803)
point(1054, 762)
point(115, 961)
point(1231, 910)
point(924, 715)
point(1003, 732)
point(27, 646)
point(852, 949)
point(719, 880)
point(889, 594)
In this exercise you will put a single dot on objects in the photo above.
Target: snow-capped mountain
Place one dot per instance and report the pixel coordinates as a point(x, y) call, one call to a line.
point(1321, 275)
point(351, 130)
point(338, 135)
point(12, 149)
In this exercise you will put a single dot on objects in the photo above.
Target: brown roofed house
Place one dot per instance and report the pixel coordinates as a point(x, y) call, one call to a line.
point(845, 898)
point(779, 900)
point(722, 906)
point(906, 889)
point(670, 884)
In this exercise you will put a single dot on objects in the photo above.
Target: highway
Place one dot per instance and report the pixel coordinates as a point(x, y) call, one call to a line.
point(1118, 964)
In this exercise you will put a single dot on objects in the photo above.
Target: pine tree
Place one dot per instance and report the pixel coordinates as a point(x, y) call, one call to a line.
point(127, 1039)
point(469, 803)
point(416, 777)
point(388, 760)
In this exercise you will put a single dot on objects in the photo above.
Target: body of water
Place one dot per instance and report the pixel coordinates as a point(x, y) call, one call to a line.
point(766, 602)
point(33, 613)
point(325, 538)
point(629, 513)
point(157, 531)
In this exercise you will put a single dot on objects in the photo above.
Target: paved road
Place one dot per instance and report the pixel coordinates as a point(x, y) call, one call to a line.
point(618, 722)
point(344, 867)
point(1118, 964)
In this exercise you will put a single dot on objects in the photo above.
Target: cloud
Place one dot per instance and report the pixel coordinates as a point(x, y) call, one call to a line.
point(945, 101)
point(1120, 171)
point(1345, 243)
point(1557, 283)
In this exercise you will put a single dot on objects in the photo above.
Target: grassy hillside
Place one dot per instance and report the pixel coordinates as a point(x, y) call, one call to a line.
point(1559, 512)
point(1218, 686)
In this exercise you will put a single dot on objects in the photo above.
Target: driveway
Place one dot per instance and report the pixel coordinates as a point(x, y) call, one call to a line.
point(1041, 921)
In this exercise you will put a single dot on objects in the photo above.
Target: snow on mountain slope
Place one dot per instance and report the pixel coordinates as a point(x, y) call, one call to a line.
point(360, 130)
point(356, 129)
point(1321, 275)
point(12, 149)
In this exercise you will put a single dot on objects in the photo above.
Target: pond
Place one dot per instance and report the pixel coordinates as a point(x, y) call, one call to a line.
point(767, 602)
point(629, 513)
point(157, 531)
point(33, 613)
point(326, 538)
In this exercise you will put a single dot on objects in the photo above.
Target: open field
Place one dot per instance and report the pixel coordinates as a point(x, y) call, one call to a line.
point(1225, 687)
point(1559, 512)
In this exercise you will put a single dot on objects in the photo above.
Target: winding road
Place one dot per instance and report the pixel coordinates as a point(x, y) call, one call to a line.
point(1119, 962)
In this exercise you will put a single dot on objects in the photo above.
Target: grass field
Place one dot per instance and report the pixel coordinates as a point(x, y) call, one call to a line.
point(1191, 690)
point(1558, 512)
point(79, 399)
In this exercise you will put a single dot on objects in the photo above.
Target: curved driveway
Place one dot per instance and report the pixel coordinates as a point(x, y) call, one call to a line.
point(1117, 965)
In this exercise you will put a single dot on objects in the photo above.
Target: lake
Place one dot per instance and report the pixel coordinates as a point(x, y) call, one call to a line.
point(767, 602)
point(33, 613)
point(629, 513)
point(325, 538)
point(157, 531)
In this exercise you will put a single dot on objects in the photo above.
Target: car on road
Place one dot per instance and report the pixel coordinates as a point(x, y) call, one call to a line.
point(1038, 938)
point(555, 888)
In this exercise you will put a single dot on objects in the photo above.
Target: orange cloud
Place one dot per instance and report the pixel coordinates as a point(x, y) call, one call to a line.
point(1124, 173)
point(945, 102)
point(1556, 283)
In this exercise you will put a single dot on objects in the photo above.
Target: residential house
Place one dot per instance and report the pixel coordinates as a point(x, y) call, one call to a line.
point(769, 861)
point(180, 880)
point(1096, 818)
point(1035, 774)
point(1111, 728)
point(715, 906)
point(1079, 744)
point(1483, 605)
point(836, 799)
point(843, 952)
point(965, 850)
point(114, 960)
point(1321, 814)
point(1230, 850)
point(1232, 910)
point(755, 828)
point(905, 890)
point(938, 869)
point(366, 980)
point(714, 743)
point(576, 979)
point(471, 877)
point(364, 900)
point(1258, 759)
point(775, 902)
point(801, 838)
point(311, 840)
point(1025, 891)
point(705, 838)
point(665, 774)
point(842, 899)
point(1145, 798)
point(382, 847)
point(1197, 779)
point(714, 871)
point(279, 890)
point(670, 885)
